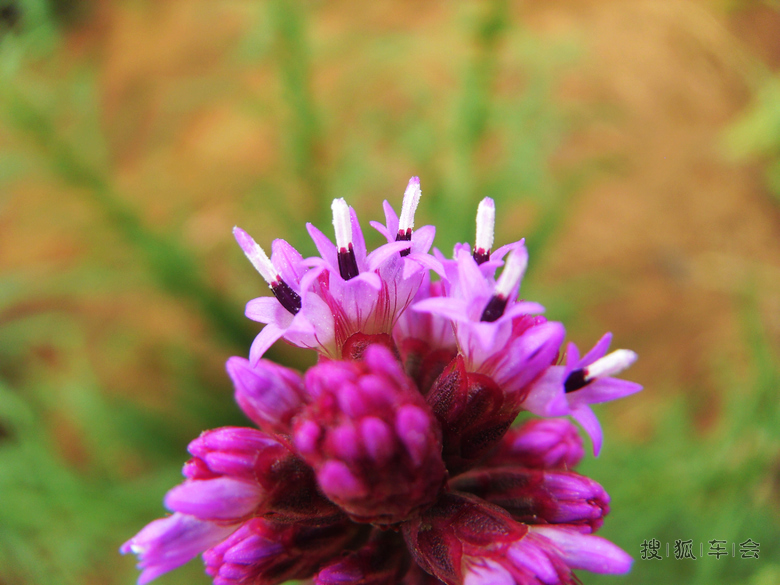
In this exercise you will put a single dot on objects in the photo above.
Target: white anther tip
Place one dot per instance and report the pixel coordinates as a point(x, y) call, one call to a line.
point(256, 255)
point(342, 222)
point(486, 223)
point(611, 364)
point(411, 201)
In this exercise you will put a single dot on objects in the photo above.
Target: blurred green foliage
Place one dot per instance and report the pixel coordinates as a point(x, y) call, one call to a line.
point(63, 515)
point(756, 134)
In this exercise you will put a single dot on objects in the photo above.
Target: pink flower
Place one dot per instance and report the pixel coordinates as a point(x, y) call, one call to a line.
point(392, 460)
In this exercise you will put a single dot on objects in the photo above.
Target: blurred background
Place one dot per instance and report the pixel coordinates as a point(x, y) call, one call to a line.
point(636, 146)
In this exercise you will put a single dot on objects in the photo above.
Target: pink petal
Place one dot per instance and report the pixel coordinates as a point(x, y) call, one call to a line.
point(325, 247)
point(586, 551)
point(599, 350)
point(585, 416)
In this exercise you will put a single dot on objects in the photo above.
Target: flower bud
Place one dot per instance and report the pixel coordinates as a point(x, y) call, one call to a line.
point(372, 439)
point(381, 561)
point(269, 394)
point(266, 553)
point(474, 413)
point(463, 540)
point(540, 444)
point(238, 472)
point(539, 497)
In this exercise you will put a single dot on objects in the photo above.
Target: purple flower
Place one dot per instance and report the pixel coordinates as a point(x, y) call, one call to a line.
point(569, 389)
point(392, 460)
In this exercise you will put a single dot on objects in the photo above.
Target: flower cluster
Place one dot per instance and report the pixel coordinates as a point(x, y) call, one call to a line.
point(394, 459)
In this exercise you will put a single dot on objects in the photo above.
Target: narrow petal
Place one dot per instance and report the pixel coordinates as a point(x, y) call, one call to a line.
point(586, 551)
point(603, 390)
point(546, 397)
point(287, 260)
point(168, 543)
point(454, 309)
point(382, 230)
point(382, 253)
point(223, 498)
point(422, 239)
point(598, 351)
point(358, 241)
point(572, 357)
point(391, 220)
point(268, 310)
point(523, 308)
point(325, 247)
point(270, 334)
point(584, 415)
point(426, 261)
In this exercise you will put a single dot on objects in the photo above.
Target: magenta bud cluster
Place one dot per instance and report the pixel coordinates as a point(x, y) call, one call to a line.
point(396, 459)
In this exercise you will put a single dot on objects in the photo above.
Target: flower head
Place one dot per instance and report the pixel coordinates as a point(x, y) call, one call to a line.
point(393, 459)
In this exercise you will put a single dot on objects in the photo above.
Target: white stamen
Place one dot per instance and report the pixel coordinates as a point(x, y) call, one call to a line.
point(611, 364)
point(342, 223)
point(411, 200)
point(486, 223)
point(513, 272)
point(256, 256)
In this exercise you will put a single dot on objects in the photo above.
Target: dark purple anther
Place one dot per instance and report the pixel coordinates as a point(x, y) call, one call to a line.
point(494, 309)
point(289, 299)
point(347, 263)
point(481, 256)
point(404, 236)
point(575, 381)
